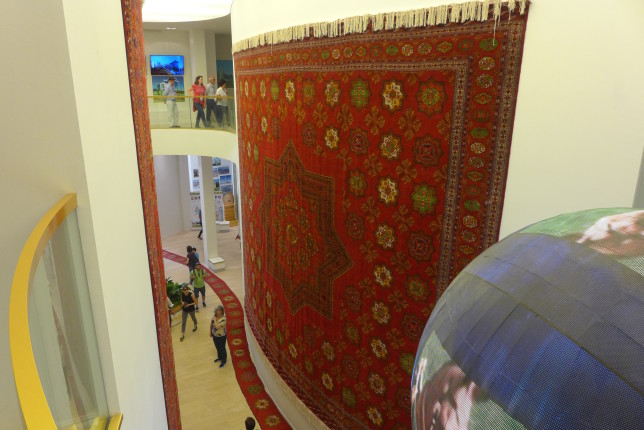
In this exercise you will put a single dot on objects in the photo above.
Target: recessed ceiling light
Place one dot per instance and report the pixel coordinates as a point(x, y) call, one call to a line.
point(184, 11)
point(171, 28)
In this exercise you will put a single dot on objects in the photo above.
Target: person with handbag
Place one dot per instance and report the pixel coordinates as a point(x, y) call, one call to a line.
point(218, 334)
point(197, 91)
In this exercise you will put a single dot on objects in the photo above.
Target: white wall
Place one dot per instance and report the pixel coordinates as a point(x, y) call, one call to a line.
point(184, 184)
point(195, 142)
point(577, 140)
point(577, 134)
point(168, 42)
point(40, 156)
point(119, 263)
point(79, 138)
point(211, 56)
point(169, 201)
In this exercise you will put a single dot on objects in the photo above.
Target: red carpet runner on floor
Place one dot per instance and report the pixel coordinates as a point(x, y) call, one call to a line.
point(251, 386)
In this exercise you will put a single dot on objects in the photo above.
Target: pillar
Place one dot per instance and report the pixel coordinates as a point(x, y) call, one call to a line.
point(208, 216)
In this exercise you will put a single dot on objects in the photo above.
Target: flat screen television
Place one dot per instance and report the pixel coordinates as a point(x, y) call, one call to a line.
point(166, 65)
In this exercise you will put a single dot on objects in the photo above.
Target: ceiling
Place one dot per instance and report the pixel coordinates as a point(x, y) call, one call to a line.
point(217, 25)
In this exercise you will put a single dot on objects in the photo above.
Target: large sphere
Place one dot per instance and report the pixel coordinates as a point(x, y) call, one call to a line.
point(544, 330)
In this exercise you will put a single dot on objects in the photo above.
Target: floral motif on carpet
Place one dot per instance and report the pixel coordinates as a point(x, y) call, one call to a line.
point(373, 171)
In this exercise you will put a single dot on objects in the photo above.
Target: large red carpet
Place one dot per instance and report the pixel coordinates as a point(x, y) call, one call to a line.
point(252, 387)
point(373, 170)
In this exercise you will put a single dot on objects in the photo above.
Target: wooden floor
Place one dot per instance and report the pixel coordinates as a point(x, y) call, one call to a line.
point(209, 397)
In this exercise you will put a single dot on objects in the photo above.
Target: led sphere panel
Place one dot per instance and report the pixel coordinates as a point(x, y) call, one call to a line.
point(544, 330)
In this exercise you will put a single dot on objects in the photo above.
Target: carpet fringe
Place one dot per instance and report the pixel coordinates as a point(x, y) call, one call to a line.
point(474, 10)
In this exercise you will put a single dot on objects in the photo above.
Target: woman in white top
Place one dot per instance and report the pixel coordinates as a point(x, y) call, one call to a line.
point(222, 104)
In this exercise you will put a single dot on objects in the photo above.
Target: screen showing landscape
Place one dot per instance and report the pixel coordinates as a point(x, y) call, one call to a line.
point(166, 64)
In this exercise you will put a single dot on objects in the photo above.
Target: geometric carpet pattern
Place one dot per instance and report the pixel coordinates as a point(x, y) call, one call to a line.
point(373, 170)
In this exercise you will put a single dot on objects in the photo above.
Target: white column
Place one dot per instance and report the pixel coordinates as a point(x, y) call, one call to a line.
point(208, 216)
point(198, 55)
point(211, 55)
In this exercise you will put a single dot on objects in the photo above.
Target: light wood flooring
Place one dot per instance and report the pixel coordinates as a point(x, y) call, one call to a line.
point(209, 396)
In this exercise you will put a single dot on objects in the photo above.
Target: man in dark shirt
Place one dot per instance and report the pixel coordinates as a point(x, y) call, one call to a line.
point(191, 260)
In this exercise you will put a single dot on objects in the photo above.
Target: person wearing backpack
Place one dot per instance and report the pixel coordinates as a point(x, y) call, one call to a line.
point(196, 277)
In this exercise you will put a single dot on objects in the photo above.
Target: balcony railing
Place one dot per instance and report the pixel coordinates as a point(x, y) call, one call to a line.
point(161, 107)
point(54, 349)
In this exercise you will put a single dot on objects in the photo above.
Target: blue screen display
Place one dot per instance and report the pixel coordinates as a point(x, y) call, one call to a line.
point(166, 65)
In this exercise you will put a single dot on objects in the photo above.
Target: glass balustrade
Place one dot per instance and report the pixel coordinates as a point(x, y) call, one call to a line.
point(160, 108)
point(63, 339)
point(62, 329)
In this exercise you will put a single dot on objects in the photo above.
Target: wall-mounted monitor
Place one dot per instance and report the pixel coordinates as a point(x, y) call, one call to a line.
point(166, 65)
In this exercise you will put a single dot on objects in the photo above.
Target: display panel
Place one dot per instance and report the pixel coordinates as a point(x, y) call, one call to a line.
point(166, 65)
point(544, 324)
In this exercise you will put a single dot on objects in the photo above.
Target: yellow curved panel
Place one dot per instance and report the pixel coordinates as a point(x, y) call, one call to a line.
point(115, 421)
point(35, 409)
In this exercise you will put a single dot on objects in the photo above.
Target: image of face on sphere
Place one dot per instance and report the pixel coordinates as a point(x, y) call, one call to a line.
point(446, 400)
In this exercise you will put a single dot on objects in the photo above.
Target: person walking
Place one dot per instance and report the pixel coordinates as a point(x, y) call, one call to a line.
point(199, 212)
point(169, 92)
point(196, 276)
point(211, 90)
point(197, 91)
point(222, 104)
point(188, 302)
point(191, 259)
point(218, 334)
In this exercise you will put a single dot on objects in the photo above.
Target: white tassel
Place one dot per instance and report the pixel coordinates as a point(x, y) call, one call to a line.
point(431, 17)
point(390, 21)
point(473, 10)
point(512, 4)
point(484, 11)
point(455, 13)
point(441, 16)
point(497, 9)
point(378, 22)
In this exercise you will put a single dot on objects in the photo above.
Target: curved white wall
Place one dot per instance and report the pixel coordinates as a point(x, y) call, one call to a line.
point(67, 127)
point(220, 144)
point(577, 138)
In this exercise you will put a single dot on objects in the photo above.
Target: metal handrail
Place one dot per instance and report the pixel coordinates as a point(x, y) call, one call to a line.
point(188, 96)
